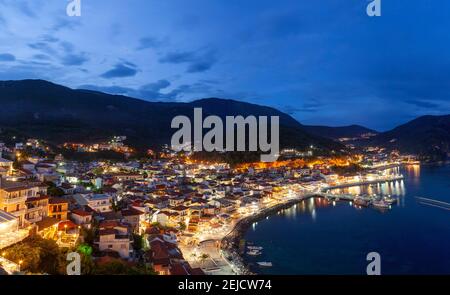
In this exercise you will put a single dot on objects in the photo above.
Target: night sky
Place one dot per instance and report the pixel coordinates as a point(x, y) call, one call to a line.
point(322, 61)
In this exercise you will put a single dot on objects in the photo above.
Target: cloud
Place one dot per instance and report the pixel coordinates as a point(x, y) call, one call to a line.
point(148, 42)
point(66, 23)
point(121, 70)
point(41, 57)
point(49, 38)
point(7, 57)
point(290, 110)
point(197, 61)
point(74, 59)
point(25, 8)
point(43, 47)
point(107, 89)
point(156, 86)
point(2, 21)
point(311, 106)
point(422, 104)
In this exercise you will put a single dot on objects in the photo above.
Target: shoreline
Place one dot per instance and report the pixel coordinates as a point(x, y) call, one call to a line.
point(230, 244)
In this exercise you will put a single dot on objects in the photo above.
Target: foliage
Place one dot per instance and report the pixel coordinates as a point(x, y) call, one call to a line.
point(138, 242)
point(88, 236)
point(55, 192)
point(38, 255)
point(348, 170)
point(120, 267)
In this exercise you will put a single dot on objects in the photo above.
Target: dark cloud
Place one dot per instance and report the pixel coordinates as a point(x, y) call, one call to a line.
point(196, 61)
point(108, 89)
point(153, 91)
point(290, 110)
point(43, 47)
point(67, 46)
point(121, 70)
point(7, 57)
point(24, 7)
point(41, 57)
point(66, 23)
point(156, 86)
point(310, 106)
point(422, 104)
point(74, 59)
point(149, 42)
point(49, 38)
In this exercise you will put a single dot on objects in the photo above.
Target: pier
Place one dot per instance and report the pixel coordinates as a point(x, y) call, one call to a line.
point(366, 182)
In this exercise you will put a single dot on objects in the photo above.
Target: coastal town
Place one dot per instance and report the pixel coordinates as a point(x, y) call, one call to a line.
point(166, 213)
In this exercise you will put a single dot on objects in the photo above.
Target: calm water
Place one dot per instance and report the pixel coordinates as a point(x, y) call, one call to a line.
point(318, 238)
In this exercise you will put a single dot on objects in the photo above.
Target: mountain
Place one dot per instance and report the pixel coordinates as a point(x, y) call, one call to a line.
point(351, 131)
point(427, 136)
point(41, 109)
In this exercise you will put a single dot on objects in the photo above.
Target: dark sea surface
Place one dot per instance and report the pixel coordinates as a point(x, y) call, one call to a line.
point(317, 237)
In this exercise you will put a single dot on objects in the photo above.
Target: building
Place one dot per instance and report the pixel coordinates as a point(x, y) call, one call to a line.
point(10, 233)
point(13, 196)
point(81, 217)
point(100, 202)
point(114, 236)
point(6, 165)
point(37, 208)
point(58, 208)
point(134, 218)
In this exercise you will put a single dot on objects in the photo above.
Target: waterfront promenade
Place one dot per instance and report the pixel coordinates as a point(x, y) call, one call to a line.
point(226, 259)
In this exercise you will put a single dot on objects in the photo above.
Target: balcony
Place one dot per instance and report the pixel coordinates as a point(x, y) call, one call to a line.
point(16, 200)
point(12, 238)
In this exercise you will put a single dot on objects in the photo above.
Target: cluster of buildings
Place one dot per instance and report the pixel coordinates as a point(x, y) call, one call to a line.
point(116, 144)
point(170, 203)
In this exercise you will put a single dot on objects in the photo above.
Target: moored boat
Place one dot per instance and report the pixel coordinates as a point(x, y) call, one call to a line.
point(265, 264)
point(381, 204)
point(390, 200)
point(254, 252)
point(254, 248)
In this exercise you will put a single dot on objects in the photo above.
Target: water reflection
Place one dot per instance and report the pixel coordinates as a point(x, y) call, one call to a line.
point(393, 188)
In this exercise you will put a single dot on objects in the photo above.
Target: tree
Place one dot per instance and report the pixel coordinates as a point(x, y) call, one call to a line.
point(28, 254)
point(120, 267)
point(88, 235)
point(55, 192)
point(38, 255)
point(51, 257)
point(138, 242)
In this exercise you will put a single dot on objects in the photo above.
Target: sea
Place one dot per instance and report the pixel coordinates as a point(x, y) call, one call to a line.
point(326, 238)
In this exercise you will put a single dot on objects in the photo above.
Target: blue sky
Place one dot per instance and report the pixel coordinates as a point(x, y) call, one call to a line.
point(322, 61)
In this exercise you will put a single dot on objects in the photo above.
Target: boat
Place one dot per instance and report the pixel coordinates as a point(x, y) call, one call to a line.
point(254, 248)
point(381, 204)
point(361, 202)
point(254, 252)
point(265, 264)
point(390, 200)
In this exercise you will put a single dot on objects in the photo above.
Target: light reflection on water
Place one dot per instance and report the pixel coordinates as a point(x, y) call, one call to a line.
point(413, 239)
point(395, 188)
